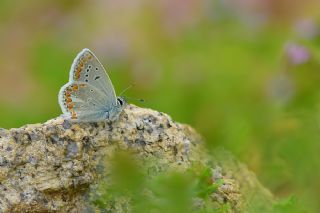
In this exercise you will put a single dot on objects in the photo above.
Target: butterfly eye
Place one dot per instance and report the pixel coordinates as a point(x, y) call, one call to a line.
point(120, 101)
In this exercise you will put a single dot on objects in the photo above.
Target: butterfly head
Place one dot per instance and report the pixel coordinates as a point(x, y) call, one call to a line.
point(121, 102)
point(115, 111)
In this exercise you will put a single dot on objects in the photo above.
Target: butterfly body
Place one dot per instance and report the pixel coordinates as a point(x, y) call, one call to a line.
point(89, 95)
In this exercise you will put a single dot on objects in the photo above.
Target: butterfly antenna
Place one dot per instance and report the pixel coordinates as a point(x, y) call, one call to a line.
point(136, 99)
point(126, 89)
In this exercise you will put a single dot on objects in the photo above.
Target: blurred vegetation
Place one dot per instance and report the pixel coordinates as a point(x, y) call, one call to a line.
point(244, 73)
point(134, 184)
point(132, 188)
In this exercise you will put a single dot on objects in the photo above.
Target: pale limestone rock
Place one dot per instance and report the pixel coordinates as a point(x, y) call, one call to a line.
point(49, 167)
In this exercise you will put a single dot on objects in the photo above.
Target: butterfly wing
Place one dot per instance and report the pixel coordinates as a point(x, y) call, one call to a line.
point(81, 101)
point(87, 68)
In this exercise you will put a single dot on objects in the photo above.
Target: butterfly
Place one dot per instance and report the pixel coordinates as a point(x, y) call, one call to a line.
point(89, 96)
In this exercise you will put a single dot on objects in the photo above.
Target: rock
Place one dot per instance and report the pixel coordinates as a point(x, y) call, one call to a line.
point(49, 167)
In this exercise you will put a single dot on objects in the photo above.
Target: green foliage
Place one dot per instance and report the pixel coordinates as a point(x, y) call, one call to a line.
point(288, 205)
point(127, 188)
point(204, 184)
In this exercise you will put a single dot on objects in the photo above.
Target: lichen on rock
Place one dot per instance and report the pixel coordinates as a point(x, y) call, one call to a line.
point(50, 167)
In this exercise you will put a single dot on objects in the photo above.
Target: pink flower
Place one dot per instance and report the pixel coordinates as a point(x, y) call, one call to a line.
point(297, 54)
point(307, 28)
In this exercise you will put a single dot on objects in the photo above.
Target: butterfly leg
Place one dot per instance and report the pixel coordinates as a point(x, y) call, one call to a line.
point(107, 118)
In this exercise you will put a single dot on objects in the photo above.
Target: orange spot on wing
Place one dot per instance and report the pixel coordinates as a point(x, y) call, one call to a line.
point(75, 87)
point(73, 115)
point(81, 64)
point(68, 100)
point(77, 74)
point(70, 106)
point(79, 69)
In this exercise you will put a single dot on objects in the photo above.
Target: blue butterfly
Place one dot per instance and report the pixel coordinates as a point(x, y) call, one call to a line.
point(89, 95)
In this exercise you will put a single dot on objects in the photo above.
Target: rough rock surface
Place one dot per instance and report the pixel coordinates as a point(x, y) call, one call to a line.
point(49, 167)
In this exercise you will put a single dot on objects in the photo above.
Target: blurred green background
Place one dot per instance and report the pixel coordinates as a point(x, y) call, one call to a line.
point(244, 73)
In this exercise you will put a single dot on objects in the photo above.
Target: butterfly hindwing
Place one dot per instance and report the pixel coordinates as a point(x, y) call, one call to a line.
point(87, 68)
point(82, 102)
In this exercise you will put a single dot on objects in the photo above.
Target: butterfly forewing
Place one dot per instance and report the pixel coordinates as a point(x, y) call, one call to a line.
point(87, 68)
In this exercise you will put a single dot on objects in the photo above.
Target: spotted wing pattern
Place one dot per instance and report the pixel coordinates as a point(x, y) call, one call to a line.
point(89, 95)
point(82, 102)
point(87, 68)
